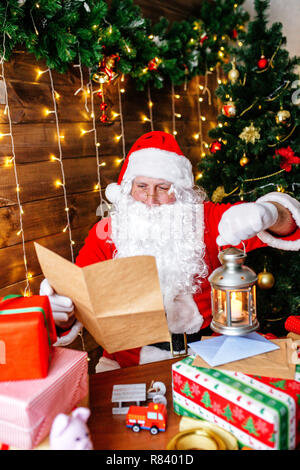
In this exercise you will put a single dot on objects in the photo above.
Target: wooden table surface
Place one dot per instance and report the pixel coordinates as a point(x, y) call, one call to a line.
point(108, 431)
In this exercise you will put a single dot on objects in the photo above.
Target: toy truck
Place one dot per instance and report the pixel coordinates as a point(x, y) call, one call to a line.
point(152, 417)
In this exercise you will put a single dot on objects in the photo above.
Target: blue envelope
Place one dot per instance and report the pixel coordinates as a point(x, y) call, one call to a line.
point(223, 349)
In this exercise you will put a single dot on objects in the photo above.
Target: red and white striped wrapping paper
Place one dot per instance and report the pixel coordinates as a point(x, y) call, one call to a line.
point(28, 407)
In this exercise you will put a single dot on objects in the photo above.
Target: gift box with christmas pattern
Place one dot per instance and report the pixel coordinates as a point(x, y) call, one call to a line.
point(28, 407)
point(297, 373)
point(262, 413)
point(27, 331)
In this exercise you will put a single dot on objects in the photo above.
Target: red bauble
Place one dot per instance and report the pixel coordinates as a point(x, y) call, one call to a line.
point(154, 63)
point(215, 146)
point(100, 94)
point(103, 118)
point(229, 109)
point(234, 34)
point(103, 106)
point(262, 63)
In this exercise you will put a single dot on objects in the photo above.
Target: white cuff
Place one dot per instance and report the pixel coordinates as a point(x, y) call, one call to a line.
point(153, 354)
point(105, 364)
point(71, 336)
point(294, 207)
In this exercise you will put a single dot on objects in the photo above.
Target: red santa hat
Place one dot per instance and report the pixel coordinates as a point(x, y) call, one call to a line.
point(155, 155)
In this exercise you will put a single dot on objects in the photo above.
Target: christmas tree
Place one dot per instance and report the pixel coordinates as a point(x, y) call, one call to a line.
point(186, 390)
point(249, 426)
point(256, 150)
point(206, 400)
point(228, 413)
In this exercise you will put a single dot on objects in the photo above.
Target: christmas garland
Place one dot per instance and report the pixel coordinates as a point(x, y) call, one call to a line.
point(119, 40)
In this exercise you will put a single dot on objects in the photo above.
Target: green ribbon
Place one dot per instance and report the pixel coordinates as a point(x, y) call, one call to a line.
point(25, 310)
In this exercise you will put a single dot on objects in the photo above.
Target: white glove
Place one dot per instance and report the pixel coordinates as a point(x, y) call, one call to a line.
point(62, 307)
point(245, 221)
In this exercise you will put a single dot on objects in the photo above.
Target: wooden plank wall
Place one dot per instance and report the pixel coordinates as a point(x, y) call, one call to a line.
point(35, 140)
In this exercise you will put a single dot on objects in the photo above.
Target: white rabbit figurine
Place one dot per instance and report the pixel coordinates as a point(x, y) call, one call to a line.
point(70, 432)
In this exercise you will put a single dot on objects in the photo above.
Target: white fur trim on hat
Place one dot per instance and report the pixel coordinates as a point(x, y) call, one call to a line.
point(71, 336)
point(113, 192)
point(155, 163)
point(162, 164)
point(294, 207)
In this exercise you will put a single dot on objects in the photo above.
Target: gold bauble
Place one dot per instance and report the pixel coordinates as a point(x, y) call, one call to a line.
point(233, 74)
point(283, 117)
point(265, 280)
point(218, 194)
point(244, 160)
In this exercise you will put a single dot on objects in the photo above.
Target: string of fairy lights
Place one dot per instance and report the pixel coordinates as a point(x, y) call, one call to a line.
point(88, 91)
point(201, 118)
point(12, 161)
point(175, 115)
point(81, 88)
point(60, 137)
point(150, 106)
point(121, 116)
point(98, 185)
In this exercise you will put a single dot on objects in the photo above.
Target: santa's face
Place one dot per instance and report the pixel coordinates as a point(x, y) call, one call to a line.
point(152, 191)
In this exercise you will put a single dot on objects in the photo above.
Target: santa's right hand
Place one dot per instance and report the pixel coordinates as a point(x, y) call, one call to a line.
point(62, 307)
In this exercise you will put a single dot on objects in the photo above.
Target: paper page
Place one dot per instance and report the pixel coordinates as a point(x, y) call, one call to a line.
point(65, 277)
point(124, 285)
point(118, 301)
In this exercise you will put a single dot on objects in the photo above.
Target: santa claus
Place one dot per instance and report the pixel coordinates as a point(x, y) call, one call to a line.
point(158, 211)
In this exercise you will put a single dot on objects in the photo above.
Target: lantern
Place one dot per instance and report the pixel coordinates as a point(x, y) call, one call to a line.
point(233, 295)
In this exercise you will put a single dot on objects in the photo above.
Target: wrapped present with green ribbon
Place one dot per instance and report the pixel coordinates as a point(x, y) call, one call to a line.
point(261, 412)
point(27, 333)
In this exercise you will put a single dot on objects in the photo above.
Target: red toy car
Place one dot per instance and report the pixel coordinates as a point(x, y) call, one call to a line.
point(152, 417)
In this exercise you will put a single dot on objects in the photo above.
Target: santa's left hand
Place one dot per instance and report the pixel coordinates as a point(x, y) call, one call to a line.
point(244, 221)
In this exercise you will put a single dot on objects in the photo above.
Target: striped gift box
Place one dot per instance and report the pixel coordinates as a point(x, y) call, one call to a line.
point(28, 407)
point(262, 413)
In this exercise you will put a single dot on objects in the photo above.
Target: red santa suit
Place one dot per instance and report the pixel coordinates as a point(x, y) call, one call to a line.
point(98, 249)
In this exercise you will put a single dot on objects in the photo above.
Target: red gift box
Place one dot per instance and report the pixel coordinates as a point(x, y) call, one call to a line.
point(292, 324)
point(27, 332)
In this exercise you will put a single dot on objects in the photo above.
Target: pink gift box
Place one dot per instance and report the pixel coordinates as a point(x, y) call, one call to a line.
point(28, 407)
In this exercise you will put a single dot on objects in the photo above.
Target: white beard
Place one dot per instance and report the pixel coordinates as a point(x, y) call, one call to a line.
point(173, 234)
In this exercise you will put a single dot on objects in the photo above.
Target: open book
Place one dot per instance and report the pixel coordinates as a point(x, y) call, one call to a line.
point(118, 301)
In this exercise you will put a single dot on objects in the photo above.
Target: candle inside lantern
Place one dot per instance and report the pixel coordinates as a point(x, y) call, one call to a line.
point(236, 308)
